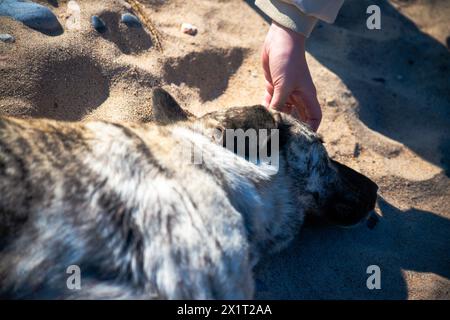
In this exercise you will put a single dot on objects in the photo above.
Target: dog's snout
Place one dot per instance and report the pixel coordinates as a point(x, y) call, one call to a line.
point(355, 199)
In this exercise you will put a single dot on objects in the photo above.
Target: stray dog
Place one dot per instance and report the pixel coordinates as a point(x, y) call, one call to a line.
point(120, 202)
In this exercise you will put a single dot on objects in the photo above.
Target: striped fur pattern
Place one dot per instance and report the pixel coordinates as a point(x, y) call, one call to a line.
point(120, 201)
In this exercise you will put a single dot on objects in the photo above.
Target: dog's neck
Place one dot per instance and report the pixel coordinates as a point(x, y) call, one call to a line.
point(261, 194)
point(272, 215)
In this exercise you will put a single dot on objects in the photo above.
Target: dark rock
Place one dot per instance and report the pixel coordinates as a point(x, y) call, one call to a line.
point(31, 14)
point(7, 38)
point(357, 150)
point(98, 24)
point(131, 20)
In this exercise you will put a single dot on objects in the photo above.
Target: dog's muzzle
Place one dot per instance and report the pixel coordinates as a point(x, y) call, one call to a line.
point(354, 200)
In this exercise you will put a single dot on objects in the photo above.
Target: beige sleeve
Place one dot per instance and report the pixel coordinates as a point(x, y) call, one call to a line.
point(300, 15)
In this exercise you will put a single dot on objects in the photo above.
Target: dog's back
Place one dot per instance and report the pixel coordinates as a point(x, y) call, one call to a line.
point(126, 205)
point(120, 202)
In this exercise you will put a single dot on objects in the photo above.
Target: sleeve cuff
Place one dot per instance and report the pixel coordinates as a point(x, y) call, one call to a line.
point(288, 16)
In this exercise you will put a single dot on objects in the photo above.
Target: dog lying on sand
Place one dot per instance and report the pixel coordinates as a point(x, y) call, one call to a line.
point(119, 201)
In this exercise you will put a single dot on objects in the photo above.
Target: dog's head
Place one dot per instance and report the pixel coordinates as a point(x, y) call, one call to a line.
point(323, 187)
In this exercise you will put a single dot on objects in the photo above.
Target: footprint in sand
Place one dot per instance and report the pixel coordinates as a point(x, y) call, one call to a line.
point(124, 30)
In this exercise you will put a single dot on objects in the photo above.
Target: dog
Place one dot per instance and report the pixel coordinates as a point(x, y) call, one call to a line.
point(122, 203)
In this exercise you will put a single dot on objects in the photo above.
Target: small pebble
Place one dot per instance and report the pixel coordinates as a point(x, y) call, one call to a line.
point(330, 102)
point(7, 38)
point(131, 20)
point(357, 150)
point(188, 29)
point(31, 14)
point(98, 24)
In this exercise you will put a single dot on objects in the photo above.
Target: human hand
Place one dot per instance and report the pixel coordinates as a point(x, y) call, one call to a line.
point(289, 86)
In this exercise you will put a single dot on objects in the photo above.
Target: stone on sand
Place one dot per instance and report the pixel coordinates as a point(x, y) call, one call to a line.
point(131, 20)
point(31, 14)
point(330, 102)
point(98, 24)
point(188, 29)
point(7, 38)
point(73, 16)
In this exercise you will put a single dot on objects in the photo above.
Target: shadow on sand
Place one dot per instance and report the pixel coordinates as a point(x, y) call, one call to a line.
point(400, 78)
point(331, 262)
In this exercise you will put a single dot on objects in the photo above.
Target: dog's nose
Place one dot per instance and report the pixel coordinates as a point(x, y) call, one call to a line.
point(364, 189)
point(355, 197)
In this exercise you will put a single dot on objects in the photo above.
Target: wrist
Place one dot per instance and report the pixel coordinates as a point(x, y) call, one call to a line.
point(299, 38)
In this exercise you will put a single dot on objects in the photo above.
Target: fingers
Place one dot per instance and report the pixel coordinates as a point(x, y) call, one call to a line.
point(313, 110)
point(289, 87)
point(279, 98)
point(265, 65)
point(298, 109)
point(268, 84)
point(303, 105)
point(309, 108)
point(267, 94)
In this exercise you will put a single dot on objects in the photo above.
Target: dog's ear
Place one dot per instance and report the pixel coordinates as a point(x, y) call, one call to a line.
point(165, 109)
point(283, 123)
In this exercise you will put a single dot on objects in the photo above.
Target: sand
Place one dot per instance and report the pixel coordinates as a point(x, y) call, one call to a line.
point(386, 102)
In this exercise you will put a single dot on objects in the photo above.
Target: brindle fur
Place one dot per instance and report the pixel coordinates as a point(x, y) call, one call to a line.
point(140, 221)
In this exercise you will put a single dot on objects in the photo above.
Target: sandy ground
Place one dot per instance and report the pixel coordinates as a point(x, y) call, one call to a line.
point(385, 96)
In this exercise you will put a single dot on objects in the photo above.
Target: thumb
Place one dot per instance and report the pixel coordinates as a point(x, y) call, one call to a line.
point(279, 98)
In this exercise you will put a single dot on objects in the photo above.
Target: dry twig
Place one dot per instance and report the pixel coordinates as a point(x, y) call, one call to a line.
point(138, 8)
